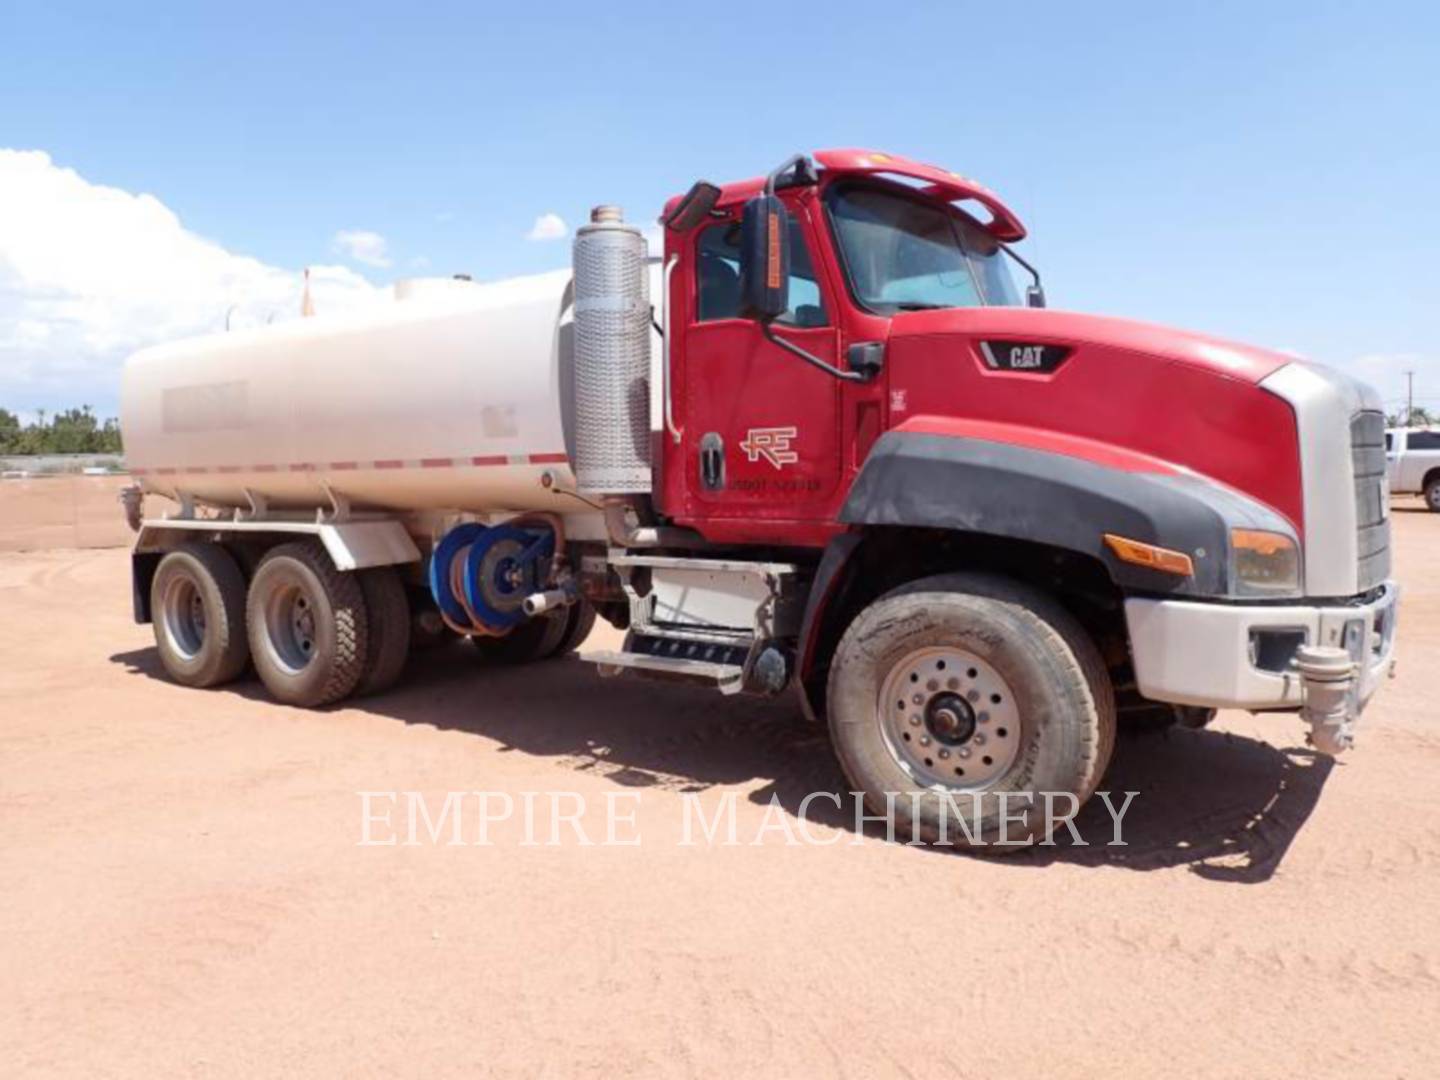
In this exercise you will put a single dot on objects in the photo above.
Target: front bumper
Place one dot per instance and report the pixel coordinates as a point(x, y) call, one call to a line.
point(1222, 656)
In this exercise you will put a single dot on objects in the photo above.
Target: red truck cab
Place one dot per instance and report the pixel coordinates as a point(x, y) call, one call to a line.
point(908, 401)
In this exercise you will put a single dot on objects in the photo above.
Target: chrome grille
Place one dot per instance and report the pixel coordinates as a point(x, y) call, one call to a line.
point(1372, 519)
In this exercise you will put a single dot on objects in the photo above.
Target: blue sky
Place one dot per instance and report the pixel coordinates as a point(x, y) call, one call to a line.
point(1264, 171)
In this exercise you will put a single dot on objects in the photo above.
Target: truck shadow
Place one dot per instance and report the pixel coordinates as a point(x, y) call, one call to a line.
point(1225, 806)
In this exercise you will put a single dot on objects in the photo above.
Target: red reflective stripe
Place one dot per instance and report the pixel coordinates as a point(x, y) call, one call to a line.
point(1054, 442)
point(351, 466)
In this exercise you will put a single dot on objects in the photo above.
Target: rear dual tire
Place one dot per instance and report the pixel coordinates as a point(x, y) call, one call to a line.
point(541, 638)
point(197, 609)
point(308, 626)
point(389, 624)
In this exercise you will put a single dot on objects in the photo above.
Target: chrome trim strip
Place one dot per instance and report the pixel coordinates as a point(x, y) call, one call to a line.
point(1325, 402)
point(665, 346)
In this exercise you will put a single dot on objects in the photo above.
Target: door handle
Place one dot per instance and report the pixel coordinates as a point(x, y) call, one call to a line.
point(712, 462)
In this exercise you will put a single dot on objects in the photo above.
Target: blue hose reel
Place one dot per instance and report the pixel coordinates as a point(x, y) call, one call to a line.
point(480, 576)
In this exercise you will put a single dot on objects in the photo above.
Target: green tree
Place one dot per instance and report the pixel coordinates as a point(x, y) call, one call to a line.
point(9, 432)
point(1419, 416)
point(73, 431)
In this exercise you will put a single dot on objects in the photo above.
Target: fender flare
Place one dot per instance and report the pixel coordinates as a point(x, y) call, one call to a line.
point(1005, 481)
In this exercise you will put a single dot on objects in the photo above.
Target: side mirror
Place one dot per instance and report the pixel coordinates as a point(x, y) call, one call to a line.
point(693, 208)
point(1034, 296)
point(765, 258)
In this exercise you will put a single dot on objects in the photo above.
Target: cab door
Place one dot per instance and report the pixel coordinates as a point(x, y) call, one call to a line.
point(761, 440)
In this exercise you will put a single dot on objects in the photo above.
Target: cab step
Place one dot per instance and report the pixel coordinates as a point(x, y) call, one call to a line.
point(727, 678)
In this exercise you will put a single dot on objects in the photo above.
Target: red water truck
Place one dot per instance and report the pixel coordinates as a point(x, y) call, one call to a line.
point(822, 445)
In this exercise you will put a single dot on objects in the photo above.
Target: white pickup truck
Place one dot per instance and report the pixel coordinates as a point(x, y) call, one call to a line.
point(1413, 461)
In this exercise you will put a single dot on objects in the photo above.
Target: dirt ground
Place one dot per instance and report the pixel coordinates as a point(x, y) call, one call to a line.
point(67, 511)
point(183, 891)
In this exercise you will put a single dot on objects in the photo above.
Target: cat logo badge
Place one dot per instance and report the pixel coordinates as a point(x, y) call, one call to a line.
point(772, 444)
point(1023, 356)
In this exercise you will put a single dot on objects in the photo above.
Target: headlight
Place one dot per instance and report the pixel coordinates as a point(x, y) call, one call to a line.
point(1264, 563)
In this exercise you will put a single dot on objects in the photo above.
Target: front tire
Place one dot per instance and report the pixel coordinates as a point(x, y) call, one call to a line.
point(1432, 494)
point(956, 688)
point(197, 605)
point(308, 626)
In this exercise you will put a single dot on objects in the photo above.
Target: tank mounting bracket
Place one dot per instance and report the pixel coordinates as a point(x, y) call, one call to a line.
point(339, 507)
point(258, 507)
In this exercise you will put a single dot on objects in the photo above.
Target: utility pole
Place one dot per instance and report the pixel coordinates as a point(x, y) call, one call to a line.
point(1409, 398)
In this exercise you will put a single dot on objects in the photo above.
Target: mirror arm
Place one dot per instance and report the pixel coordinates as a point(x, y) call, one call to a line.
point(1034, 274)
point(768, 329)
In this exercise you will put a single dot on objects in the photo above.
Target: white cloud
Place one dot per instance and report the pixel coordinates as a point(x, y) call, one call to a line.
point(363, 246)
point(548, 227)
point(90, 273)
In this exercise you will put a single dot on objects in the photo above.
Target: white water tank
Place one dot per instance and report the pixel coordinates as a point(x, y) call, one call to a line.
point(457, 398)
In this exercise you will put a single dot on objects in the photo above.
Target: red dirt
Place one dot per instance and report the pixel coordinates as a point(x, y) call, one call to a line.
point(182, 894)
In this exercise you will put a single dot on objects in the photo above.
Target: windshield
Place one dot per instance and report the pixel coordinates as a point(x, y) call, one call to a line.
point(906, 253)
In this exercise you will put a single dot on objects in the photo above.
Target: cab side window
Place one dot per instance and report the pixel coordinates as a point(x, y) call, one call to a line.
point(717, 257)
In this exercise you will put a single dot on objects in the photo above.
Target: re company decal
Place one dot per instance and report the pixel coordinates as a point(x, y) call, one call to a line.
point(771, 444)
point(1023, 356)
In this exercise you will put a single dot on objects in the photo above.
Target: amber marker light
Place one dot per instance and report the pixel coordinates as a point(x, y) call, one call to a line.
point(1149, 556)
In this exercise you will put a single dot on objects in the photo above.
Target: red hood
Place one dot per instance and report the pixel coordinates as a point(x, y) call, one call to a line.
point(1045, 326)
point(1177, 396)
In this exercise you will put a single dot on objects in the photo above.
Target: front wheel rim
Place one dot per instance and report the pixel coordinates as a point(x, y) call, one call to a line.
point(949, 719)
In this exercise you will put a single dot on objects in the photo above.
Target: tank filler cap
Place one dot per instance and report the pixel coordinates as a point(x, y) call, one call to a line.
point(605, 214)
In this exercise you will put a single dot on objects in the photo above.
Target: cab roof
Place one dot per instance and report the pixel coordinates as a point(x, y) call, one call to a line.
point(928, 179)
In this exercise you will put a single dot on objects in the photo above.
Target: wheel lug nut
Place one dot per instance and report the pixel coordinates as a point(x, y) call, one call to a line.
point(918, 699)
point(915, 720)
point(924, 740)
point(963, 752)
point(973, 695)
point(932, 685)
point(979, 740)
point(952, 684)
point(944, 754)
point(983, 718)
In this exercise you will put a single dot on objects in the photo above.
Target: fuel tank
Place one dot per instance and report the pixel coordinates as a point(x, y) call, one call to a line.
point(451, 399)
